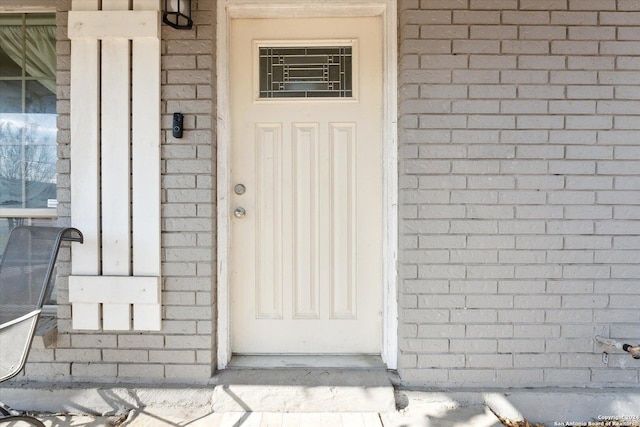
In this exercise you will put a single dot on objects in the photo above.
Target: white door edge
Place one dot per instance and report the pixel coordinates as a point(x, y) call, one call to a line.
point(229, 9)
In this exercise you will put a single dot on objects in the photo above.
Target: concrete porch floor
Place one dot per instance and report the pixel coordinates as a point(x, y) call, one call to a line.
point(560, 407)
point(313, 397)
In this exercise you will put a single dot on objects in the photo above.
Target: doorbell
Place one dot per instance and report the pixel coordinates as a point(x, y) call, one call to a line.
point(178, 120)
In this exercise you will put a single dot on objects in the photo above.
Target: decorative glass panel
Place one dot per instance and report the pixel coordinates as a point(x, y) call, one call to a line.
point(306, 72)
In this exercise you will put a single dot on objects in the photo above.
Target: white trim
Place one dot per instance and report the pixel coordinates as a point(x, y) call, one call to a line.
point(229, 9)
point(28, 213)
point(27, 6)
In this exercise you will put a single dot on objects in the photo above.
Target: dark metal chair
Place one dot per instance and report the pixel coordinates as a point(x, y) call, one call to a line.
point(26, 271)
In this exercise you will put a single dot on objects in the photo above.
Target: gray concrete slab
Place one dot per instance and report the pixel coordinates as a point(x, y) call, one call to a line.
point(303, 390)
point(174, 406)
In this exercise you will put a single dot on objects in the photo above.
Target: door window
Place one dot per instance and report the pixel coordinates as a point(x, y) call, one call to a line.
point(306, 72)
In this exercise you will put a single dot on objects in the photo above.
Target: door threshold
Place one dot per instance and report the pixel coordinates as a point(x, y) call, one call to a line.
point(288, 361)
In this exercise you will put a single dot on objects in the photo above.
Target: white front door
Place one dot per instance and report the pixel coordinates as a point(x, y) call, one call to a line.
point(306, 178)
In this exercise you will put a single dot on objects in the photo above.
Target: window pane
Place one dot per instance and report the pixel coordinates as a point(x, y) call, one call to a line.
point(27, 160)
point(305, 72)
point(10, 96)
point(40, 46)
point(38, 98)
point(8, 67)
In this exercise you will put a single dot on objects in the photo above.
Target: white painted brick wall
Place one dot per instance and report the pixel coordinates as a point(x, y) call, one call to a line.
point(520, 191)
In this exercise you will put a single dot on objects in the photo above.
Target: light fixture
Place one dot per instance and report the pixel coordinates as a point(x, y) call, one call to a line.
point(177, 14)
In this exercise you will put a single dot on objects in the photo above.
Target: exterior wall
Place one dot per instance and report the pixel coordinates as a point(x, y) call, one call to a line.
point(519, 200)
point(519, 192)
point(182, 351)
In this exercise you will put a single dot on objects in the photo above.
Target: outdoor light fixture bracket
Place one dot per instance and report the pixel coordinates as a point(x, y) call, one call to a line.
point(177, 14)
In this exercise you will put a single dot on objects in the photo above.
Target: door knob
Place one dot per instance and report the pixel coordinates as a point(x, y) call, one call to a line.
point(239, 212)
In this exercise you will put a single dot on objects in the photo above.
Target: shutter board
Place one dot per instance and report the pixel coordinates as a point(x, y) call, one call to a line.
point(115, 165)
point(146, 145)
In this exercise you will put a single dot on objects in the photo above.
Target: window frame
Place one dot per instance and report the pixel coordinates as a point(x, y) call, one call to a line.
point(29, 7)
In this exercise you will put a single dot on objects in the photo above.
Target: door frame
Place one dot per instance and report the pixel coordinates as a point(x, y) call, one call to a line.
point(234, 9)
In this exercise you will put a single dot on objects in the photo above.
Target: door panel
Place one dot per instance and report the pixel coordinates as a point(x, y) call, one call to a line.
point(306, 258)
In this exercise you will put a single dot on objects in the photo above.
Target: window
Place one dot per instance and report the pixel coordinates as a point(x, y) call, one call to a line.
point(27, 120)
point(305, 72)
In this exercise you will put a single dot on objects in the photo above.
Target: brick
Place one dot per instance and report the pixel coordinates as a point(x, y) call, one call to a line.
point(539, 242)
point(573, 137)
point(489, 360)
point(575, 47)
point(524, 76)
point(476, 17)
point(475, 346)
point(588, 122)
point(498, 62)
point(476, 46)
point(472, 376)
point(594, 212)
point(537, 301)
point(490, 242)
point(493, 4)
point(567, 376)
point(489, 212)
point(521, 316)
point(101, 371)
point(488, 32)
point(492, 91)
point(426, 345)
point(427, 17)
point(473, 287)
point(626, 92)
point(592, 33)
point(590, 63)
point(589, 183)
point(525, 47)
point(541, 92)
point(619, 77)
point(474, 316)
point(536, 331)
point(441, 361)
point(443, 61)
point(141, 371)
point(619, 18)
point(526, 18)
point(545, 32)
point(477, 76)
point(425, 376)
point(628, 5)
point(574, 77)
point(522, 287)
point(543, 4)
point(598, 5)
point(519, 376)
point(540, 122)
point(536, 360)
point(632, 33)
point(574, 18)
point(489, 331)
point(521, 346)
point(521, 197)
point(441, 331)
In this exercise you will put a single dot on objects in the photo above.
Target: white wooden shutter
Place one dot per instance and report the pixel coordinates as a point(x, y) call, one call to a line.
point(115, 164)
